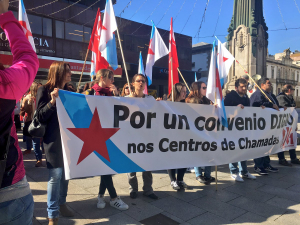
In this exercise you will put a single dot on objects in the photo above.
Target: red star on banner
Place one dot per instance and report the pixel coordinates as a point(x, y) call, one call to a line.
point(225, 59)
point(94, 138)
point(24, 25)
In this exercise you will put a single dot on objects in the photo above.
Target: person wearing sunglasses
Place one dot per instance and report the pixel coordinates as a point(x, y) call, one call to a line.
point(126, 90)
point(285, 98)
point(198, 96)
point(138, 83)
point(177, 183)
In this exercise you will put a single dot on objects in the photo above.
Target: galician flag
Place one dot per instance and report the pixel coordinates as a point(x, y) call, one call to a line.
point(225, 60)
point(108, 46)
point(157, 49)
point(94, 45)
point(23, 19)
point(214, 88)
point(173, 59)
point(142, 71)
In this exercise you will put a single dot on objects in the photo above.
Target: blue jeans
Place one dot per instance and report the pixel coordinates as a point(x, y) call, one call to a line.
point(234, 169)
point(17, 211)
point(36, 142)
point(262, 162)
point(56, 192)
point(199, 171)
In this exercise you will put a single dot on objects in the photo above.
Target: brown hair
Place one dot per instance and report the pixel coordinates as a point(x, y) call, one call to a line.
point(176, 89)
point(33, 89)
point(136, 75)
point(286, 88)
point(56, 75)
point(123, 90)
point(104, 73)
point(195, 95)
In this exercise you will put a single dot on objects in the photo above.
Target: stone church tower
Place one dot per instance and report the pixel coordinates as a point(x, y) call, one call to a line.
point(247, 39)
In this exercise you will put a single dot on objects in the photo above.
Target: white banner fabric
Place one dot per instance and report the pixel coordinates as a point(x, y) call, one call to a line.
point(109, 135)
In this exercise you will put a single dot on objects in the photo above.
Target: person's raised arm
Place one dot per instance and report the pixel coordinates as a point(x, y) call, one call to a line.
point(15, 80)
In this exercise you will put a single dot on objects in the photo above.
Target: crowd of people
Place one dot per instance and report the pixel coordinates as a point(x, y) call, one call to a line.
point(41, 102)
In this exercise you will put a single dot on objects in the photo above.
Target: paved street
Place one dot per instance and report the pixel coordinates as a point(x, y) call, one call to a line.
point(272, 199)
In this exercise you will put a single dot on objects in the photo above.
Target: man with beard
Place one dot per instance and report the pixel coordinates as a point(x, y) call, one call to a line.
point(239, 98)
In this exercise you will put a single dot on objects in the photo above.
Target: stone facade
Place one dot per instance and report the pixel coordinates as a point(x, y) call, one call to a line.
point(247, 40)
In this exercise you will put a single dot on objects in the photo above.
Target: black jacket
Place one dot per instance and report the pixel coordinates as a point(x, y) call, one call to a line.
point(258, 99)
point(47, 114)
point(234, 99)
point(286, 100)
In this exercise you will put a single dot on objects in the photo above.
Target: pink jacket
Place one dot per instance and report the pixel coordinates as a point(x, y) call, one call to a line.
point(14, 82)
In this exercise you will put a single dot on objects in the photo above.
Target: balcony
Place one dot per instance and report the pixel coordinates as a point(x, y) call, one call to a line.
point(286, 81)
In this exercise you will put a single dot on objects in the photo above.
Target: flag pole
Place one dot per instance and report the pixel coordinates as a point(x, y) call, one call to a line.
point(172, 79)
point(123, 58)
point(87, 52)
point(183, 80)
point(216, 167)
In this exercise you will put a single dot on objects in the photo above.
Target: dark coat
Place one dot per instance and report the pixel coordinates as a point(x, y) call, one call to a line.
point(47, 114)
point(286, 100)
point(234, 99)
point(258, 99)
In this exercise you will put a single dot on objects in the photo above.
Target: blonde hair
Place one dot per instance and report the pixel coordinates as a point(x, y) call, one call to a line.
point(104, 73)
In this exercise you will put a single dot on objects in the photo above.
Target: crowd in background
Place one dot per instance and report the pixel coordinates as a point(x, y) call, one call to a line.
point(40, 102)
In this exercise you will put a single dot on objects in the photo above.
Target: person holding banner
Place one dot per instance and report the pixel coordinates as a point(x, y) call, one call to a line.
point(179, 91)
point(258, 99)
point(104, 87)
point(138, 83)
point(285, 98)
point(58, 77)
point(198, 96)
point(239, 98)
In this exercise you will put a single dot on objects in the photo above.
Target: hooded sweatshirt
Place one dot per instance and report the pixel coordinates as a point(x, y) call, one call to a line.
point(14, 82)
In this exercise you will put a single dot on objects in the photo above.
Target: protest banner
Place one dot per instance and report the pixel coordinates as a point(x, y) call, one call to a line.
point(108, 135)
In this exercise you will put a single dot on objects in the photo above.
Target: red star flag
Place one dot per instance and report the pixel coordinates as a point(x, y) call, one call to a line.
point(224, 61)
point(23, 19)
point(173, 59)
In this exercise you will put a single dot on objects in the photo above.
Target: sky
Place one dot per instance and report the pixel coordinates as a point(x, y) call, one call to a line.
point(187, 15)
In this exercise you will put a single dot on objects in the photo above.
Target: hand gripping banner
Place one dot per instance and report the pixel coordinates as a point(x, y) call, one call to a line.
point(109, 135)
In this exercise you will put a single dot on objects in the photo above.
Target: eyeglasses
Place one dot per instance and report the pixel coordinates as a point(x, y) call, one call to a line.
point(127, 87)
point(139, 81)
point(204, 88)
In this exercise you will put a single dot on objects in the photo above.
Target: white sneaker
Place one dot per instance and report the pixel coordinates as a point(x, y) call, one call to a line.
point(118, 204)
point(192, 170)
point(237, 177)
point(101, 203)
point(174, 185)
point(249, 176)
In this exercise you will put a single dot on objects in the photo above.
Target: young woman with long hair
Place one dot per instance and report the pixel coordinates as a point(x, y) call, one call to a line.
point(125, 90)
point(29, 106)
point(138, 83)
point(104, 87)
point(179, 91)
point(58, 77)
point(198, 96)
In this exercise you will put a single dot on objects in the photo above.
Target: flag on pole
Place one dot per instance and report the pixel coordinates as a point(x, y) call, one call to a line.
point(107, 45)
point(142, 71)
point(173, 64)
point(225, 60)
point(23, 19)
point(196, 77)
point(94, 45)
point(214, 88)
point(157, 49)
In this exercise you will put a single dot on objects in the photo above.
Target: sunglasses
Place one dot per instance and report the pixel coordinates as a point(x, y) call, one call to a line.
point(127, 87)
point(139, 81)
point(204, 88)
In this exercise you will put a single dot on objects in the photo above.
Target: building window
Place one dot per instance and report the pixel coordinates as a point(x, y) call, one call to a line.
point(298, 76)
point(87, 34)
point(60, 29)
point(47, 27)
point(35, 24)
point(193, 64)
point(278, 91)
point(279, 73)
point(74, 32)
point(272, 72)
